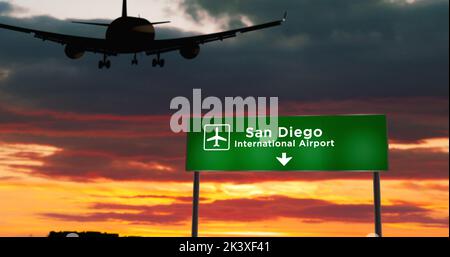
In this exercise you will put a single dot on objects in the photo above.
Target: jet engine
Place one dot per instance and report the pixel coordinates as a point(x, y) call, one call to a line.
point(74, 52)
point(190, 51)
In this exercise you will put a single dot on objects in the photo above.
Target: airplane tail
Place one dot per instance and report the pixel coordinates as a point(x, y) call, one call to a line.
point(124, 9)
point(125, 14)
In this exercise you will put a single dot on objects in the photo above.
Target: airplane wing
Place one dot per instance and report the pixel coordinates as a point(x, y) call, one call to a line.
point(222, 139)
point(211, 139)
point(97, 45)
point(216, 138)
point(89, 44)
point(167, 45)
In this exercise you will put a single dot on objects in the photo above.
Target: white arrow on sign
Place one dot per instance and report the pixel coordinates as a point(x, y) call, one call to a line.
point(284, 160)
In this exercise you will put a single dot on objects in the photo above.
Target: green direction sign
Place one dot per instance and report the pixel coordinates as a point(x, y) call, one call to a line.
point(301, 143)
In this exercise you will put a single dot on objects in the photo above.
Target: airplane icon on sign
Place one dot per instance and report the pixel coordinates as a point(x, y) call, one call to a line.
point(217, 138)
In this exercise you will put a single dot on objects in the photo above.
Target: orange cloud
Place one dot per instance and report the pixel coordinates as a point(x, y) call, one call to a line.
point(432, 144)
point(249, 210)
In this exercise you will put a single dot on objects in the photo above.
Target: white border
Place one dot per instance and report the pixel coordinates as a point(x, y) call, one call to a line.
point(227, 126)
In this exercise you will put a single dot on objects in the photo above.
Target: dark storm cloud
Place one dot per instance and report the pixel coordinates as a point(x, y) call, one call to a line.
point(248, 210)
point(5, 7)
point(327, 50)
point(353, 47)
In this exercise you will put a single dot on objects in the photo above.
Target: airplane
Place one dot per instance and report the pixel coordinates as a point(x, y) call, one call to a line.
point(216, 138)
point(132, 35)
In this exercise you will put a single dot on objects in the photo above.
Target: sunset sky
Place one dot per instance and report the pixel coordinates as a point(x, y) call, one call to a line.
point(89, 150)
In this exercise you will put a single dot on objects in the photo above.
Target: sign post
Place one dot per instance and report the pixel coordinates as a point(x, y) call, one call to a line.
point(377, 203)
point(195, 204)
point(357, 143)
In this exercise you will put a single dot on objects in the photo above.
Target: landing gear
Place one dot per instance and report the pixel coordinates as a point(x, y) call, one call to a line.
point(158, 61)
point(135, 60)
point(105, 63)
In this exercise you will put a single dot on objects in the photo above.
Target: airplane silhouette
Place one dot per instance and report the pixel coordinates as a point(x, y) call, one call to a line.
point(216, 138)
point(132, 35)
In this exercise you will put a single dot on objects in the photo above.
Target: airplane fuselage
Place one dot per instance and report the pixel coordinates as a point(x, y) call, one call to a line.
point(130, 34)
